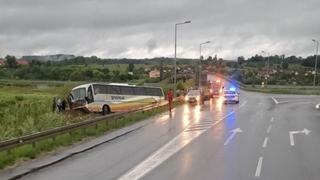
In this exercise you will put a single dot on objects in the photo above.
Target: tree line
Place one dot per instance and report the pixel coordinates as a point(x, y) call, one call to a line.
point(281, 60)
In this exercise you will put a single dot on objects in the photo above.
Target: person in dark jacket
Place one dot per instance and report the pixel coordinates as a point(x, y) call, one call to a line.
point(63, 105)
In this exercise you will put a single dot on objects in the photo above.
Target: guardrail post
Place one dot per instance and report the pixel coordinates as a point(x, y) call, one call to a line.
point(96, 126)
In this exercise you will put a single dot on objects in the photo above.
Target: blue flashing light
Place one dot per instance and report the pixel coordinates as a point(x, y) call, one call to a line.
point(232, 89)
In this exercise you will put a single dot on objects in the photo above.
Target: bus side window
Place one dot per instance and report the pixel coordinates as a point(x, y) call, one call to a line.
point(114, 90)
point(126, 90)
point(139, 91)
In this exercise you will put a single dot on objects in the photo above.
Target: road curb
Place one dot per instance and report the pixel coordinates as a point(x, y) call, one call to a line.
point(11, 175)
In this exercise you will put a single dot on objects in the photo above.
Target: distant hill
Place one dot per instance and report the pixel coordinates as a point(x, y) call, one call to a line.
point(56, 57)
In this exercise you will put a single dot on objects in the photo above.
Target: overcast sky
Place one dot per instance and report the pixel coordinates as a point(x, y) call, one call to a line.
point(145, 28)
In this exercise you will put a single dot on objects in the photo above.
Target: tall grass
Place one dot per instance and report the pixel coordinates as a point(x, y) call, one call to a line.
point(29, 152)
point(25, 110)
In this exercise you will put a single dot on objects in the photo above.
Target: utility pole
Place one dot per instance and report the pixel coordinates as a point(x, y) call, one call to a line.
point(315, 64)
point(207, 42)
point(175, 55)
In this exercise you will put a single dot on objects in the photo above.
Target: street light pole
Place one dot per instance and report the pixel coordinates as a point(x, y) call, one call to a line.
point(315, 64)
point(199, 83)
point(268, 65)
point(175, 55)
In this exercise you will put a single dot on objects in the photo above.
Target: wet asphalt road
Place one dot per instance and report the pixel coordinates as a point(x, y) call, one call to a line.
point(198, 143)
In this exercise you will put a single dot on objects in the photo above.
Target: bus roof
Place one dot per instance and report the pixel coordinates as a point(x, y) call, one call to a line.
point(110, 84)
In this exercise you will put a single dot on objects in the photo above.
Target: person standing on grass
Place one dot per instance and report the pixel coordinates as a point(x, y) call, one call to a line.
point(170, 98)
point(63, 105)
point(59, 105)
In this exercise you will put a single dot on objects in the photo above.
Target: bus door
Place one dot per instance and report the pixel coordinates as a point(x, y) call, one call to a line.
point(89, 96)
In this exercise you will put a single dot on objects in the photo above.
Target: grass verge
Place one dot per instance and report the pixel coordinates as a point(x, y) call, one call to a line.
point(31, 151)
point(284, 90)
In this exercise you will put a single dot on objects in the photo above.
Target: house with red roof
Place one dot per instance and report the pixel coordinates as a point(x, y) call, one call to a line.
point(22, 62)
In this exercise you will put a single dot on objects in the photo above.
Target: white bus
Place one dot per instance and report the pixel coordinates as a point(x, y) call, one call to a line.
point(106, 98)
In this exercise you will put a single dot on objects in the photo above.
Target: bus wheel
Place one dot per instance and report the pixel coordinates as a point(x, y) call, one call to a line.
point(105, 110)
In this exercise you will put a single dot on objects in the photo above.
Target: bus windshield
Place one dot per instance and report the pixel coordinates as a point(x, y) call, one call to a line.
point(78, 94)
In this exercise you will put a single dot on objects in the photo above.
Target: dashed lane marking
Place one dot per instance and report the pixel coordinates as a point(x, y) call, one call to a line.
point(196, 129)
point(275, 100)
point(259, 166)
point(272, 119)
point(265, 142)
point(269, 129)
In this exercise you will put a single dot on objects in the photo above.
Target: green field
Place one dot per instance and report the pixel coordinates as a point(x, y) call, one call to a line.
point(26, 107)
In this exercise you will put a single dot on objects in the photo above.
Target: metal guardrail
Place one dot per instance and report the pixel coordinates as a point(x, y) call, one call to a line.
point(51, 133)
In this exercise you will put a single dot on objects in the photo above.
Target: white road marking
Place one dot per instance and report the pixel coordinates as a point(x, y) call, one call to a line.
point(291, 133)
point(272, 119)
point(165, 152)
point(204, 124)
point(201, 125)
point(259, 166)
point(233, 133)
point(275, 101)
point(196, 129)
point(318, 106)
point(244, 103)
point(269, 129)
point(265, 142)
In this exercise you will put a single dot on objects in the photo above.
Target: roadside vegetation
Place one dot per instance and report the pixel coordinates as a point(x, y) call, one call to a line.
point(31, 151)
point(27, 108)
point(288, 71)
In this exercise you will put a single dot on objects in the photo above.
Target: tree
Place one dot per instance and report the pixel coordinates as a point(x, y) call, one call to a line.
point(285, 65)
point(11, 61)
point(241, 60)
point(130, 67)
point(180, 86)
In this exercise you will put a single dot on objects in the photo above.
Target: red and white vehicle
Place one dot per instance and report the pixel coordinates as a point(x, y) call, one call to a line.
point(216, 88)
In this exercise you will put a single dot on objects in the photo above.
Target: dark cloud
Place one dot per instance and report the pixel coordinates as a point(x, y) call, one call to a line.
point(144, 28)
